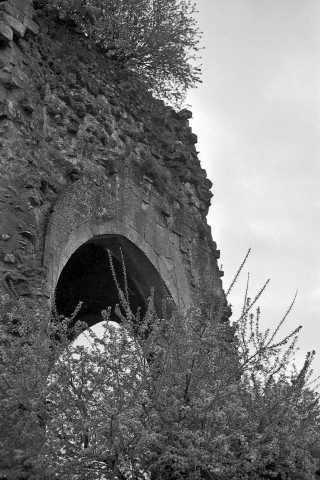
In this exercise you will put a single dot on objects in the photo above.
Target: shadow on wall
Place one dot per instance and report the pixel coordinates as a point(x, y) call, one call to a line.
point(87, 277)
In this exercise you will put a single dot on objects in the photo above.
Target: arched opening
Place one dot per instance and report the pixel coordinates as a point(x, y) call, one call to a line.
point(88, 277)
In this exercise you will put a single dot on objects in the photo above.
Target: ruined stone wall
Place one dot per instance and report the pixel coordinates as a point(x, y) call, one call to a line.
point(87, 152)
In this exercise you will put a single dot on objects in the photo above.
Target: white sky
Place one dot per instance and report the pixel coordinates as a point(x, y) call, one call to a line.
point(257, 120)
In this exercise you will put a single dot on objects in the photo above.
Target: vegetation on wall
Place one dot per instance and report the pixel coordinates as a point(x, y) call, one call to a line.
point(169, 397)
point(158, 39)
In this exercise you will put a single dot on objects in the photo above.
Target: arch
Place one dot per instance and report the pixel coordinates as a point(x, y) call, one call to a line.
point(93, 212)
point(93, 271)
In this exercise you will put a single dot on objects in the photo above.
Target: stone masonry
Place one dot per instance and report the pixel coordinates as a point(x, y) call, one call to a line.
point(16, 19)
point(87, 156)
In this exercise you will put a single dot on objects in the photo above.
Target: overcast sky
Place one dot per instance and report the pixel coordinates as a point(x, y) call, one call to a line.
point(257, 120)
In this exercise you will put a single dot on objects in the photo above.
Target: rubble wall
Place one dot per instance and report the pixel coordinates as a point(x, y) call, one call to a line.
point(87, 152)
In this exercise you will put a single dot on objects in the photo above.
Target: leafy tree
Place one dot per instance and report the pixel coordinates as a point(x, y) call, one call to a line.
point(177, 397)
point(182, 401)
point(158, 39)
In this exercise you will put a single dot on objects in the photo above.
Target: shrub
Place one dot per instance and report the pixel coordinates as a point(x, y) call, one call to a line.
point(158, 39)
point(162, 397)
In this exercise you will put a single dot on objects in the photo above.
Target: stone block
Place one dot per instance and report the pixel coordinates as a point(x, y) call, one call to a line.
point(31, 26)
point(184, 114)
point(24, 6)
point(6, 33)
point(193, 138)
point(18, 28)
point(11, 10)
point(9, 81)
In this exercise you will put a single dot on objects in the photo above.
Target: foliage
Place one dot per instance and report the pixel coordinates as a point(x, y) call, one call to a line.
point(158, 39)
point(25, 354)
point(177, 397)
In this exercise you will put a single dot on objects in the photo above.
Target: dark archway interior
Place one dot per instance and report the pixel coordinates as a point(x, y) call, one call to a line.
point(87, 277)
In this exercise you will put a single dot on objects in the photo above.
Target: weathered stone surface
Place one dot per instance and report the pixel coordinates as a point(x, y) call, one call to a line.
point(90, 161)
point(30, 25)
point(18, 28)
point(24, 6)
point(17, 15)
point(10, 81)
point(5, 237)
point(9, 258)
point(6, 33)
point(9, 8)
point(28, 104)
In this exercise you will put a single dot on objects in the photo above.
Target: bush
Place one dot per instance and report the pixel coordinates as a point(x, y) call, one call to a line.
point(170, 397)
point(179, 400)
point(158, 39)
point(25, 353)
